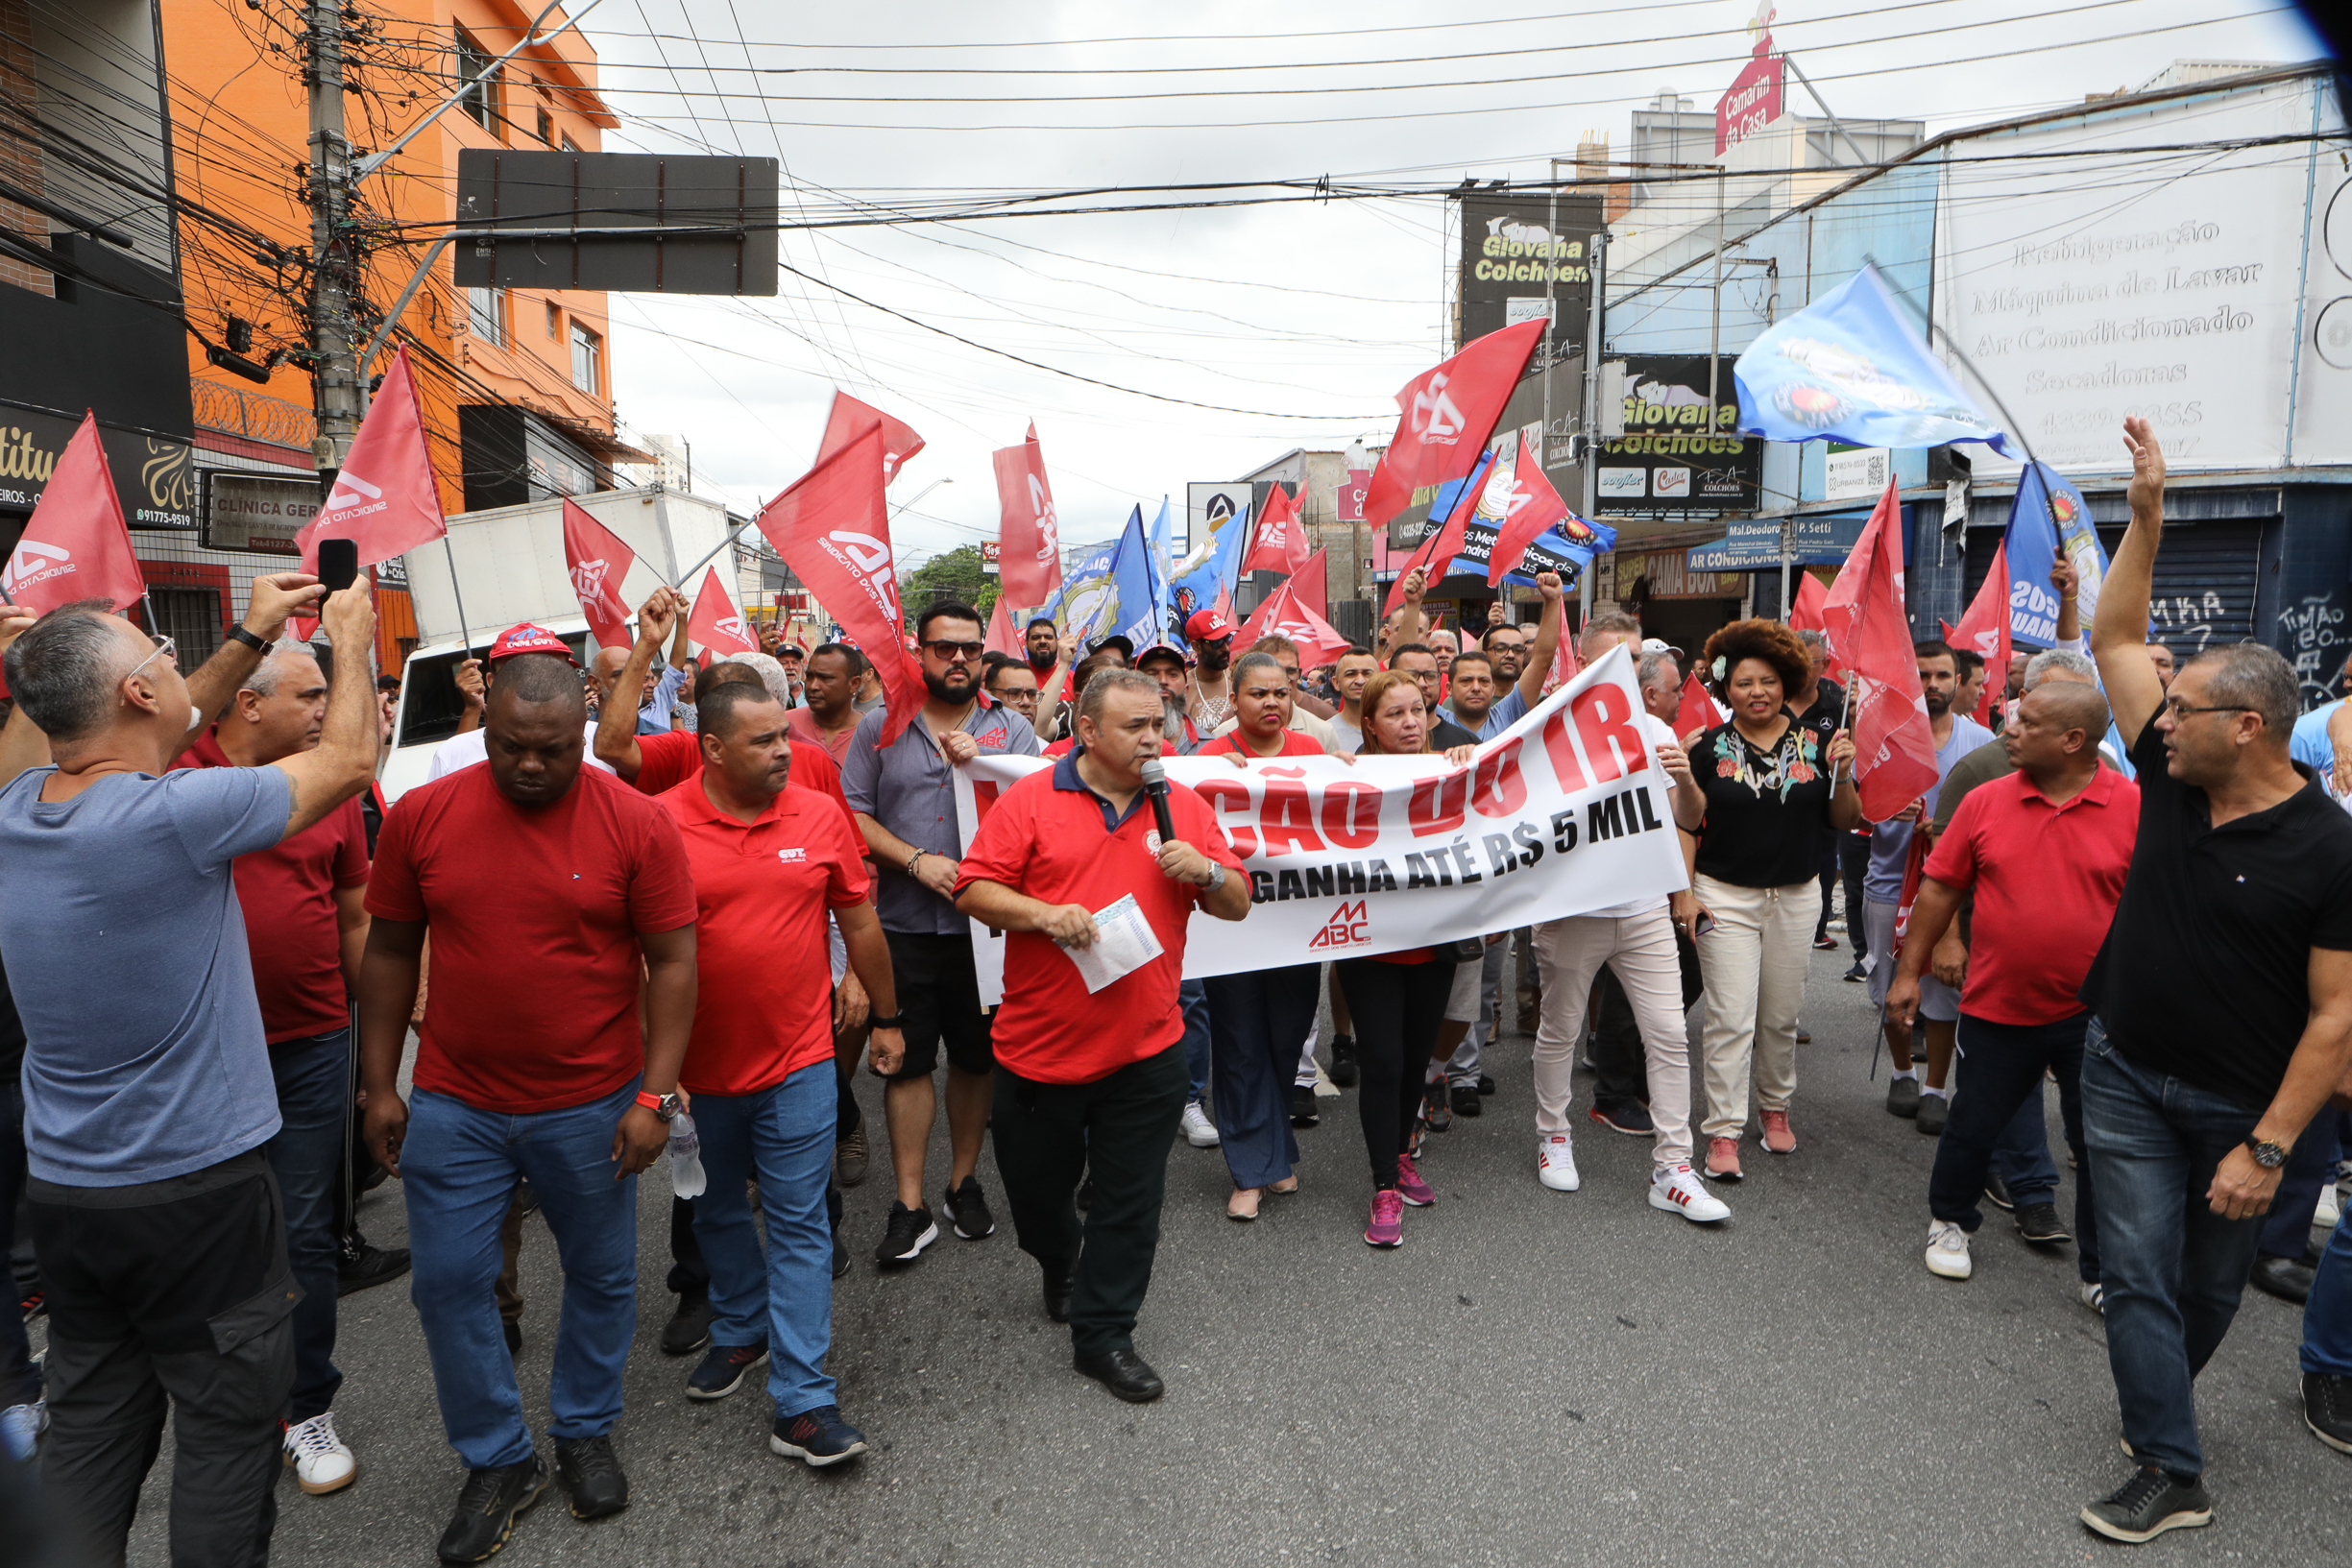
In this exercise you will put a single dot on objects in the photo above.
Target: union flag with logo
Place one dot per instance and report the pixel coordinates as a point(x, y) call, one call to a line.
point(597, 562)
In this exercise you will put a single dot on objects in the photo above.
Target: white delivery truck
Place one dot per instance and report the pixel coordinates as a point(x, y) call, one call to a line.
point(510, 569)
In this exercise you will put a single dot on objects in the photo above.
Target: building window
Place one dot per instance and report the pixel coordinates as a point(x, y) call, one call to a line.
point(587, 350)
point(569, 146)
point(190, 616)
point(478, 75)
point(486, 315)
point(555, 322)
point(547, 128)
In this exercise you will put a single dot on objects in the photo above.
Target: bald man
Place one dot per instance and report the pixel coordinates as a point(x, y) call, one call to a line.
point(658, 700)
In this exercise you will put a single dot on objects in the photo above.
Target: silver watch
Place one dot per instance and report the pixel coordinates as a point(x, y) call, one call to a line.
point(1217, 876)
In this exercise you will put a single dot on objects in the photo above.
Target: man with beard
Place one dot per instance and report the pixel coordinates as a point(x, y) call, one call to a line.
point(1210, 701)
point(1890, 849)
point(903, 797)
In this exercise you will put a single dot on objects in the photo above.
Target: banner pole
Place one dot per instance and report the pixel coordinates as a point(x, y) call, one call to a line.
point(1844, 714)
point(465, 635)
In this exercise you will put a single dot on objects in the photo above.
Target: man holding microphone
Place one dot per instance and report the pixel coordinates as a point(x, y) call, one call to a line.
point(1094, 1079)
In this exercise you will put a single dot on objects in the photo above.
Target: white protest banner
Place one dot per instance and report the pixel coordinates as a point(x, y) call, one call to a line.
point(1564, 812)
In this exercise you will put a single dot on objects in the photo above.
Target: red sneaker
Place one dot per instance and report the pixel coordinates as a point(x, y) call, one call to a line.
point(1409, 1184)
point(1388, 1226)
point(1723, 1158)
point(1777, 1139)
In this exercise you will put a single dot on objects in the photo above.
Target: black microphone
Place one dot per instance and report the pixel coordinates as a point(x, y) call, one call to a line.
point(1156, 789)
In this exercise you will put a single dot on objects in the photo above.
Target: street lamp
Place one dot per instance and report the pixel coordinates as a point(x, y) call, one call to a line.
point(920, 493)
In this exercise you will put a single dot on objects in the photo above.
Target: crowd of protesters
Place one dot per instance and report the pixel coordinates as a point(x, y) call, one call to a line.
point(651, 906)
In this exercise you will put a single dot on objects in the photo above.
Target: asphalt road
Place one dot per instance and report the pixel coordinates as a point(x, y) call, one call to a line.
point(1534, 1377)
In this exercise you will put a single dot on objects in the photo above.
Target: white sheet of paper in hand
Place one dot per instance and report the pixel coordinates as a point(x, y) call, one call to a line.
point(1124, 942)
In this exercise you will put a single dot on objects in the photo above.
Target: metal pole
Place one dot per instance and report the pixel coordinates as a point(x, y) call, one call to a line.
point(336, 383)
point(1714, 327)
point(1592, 395)
point(1835, 128)
point(1551, 267)
point(376, 160)
point(465, 637)
point(416, 280)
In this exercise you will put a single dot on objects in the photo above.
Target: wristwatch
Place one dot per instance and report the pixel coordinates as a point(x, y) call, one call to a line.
point(2269, 1156)
point(1217, 876)
point(238, 634)
point(896, 1020)
point(665, 1106)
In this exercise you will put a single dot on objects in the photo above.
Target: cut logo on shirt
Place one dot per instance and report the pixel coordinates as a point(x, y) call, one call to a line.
point(792, 857)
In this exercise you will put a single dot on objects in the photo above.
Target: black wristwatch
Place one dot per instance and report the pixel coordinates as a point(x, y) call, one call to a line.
point(238, 634)
point(2269, 1156)
point(896, 1020)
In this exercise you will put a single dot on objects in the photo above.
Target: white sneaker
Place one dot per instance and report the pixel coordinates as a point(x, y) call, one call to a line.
point(2093, 1295)
point(2330, 1210)
point(1680, 1191)
point(1199, 1130)
point(1556, 1163)
point(1948, 1250)
point(321, 1462)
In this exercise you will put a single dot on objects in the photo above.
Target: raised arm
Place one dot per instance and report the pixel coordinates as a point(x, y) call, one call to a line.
point(275, 599)
point(1548, 632)
point(1409, 621)
point(344, 761)
point(617, 715)
point(2118, 635)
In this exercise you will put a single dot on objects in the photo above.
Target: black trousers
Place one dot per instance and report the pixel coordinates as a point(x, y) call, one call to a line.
point(1397, 1010)
point(2000, 1069)
point(1854, 856)
point(168, 1297)
point(1118, 1130)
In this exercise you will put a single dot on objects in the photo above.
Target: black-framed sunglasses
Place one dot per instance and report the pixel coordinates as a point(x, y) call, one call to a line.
point(948, 651)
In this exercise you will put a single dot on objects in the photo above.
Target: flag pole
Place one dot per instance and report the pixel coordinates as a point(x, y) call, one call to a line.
point(465, 636)
point(1844, 714)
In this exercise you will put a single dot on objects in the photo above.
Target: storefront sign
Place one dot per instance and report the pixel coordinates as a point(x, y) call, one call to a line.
point(1820, 539)
point(1510, 243)
point(1670, 577)
point(991, 551)
point(154, 478)
point(1669, 461)
point(256, 511)
point(1855, 473)
point(1752, 103)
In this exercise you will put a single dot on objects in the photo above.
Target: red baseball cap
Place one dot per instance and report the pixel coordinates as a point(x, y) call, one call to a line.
point(528, 639)
point(1207, 626)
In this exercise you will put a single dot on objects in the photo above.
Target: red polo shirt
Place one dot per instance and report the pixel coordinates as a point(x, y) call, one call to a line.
point(671, 757)
point(763, 1009)
point(535, 914)
point(1293, 744)
point(2047, 879)
point(287, 893)
point(1052, 839)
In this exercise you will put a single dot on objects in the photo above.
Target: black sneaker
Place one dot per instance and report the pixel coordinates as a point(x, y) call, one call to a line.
point(1057, 1296)
point(910, 1232)
point(488, 1504)
point(2285, 1278)
point(1997, 1194)
point(1436, 1114)
point(1344, 1060)
point(1485, 1084)
point(1464, 1098)
point(2040, 1224)
point(1857, 975)
point(724, 1370)
point(1303, 1113)
point(2148, 1505)
point(591, 1473)
point(968, 1209)
point(1934, 1110)
point(359, 1266)
point(1902, 1096)
point(689, 1328)
point(818, 1436)
point(1625, 1116)
point(840, 1256)
point(2327, 1409)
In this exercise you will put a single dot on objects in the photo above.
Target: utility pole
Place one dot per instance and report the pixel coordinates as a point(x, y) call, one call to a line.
point(1592, 415)
point(334, 372)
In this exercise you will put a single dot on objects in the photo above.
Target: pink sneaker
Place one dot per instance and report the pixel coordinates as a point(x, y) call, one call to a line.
point(1723, 1158)
point(1409, 1184)
point(1388, 1226)
point(1777, 1139)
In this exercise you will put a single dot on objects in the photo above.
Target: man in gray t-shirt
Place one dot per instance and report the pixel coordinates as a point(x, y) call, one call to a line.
point(147, 1082)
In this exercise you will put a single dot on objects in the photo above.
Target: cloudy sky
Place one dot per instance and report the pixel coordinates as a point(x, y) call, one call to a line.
point(1294, 321)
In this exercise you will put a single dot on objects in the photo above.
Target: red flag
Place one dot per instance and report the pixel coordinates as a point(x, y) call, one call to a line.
point(833, 530)
point(1438, 548)
point(77, 545)
point(1001, 638)
point(1530, 505)
point(1812, 595)
point(599, 562)
point(1894, 747)
point(1697, 710)
point(1318, 643)
point(1031, 561)
point(384, 498)
point(1448, 413)
point(1281, 542)
point(851, 419)
point(1308, 584)
point(1565, 663)
point(717, 623)
point(1984, 631)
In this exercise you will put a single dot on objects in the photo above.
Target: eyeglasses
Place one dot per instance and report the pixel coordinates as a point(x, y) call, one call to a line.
point(1023, 698)
point(949, 651)
point(165, 648)
point(2181, 710)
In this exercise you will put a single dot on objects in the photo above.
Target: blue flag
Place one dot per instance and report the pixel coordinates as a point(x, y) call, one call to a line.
point(1080, 594)
point(1161, 538)
point(2048, 515)
point(1851, 367)
point(1138, 615)
point(1205, 580)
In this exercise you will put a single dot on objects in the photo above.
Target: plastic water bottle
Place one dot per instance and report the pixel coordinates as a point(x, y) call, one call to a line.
point(685, 1157)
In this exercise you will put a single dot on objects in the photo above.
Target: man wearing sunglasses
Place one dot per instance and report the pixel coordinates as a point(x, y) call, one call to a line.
point(148, 1092)
point(903, 797)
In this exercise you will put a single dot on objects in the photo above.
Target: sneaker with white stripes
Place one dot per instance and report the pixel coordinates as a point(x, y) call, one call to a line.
point(1948, 1250)
point(322, 1461)
point(1679, 1191)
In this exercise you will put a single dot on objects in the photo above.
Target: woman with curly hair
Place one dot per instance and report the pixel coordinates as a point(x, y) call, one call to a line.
point(1769, 804)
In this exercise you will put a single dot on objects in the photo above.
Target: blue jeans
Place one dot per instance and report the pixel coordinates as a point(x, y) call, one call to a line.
point(1193, 998)
point(313, 1091)
point(2021, 1157)
point(458, 1170)
point(2311, 1165)
point(2173, 1270)
point(2000, 1077)
point(784, 1137)
point(2327, 1317)
point(19, 1384)
point(1256, 1022)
